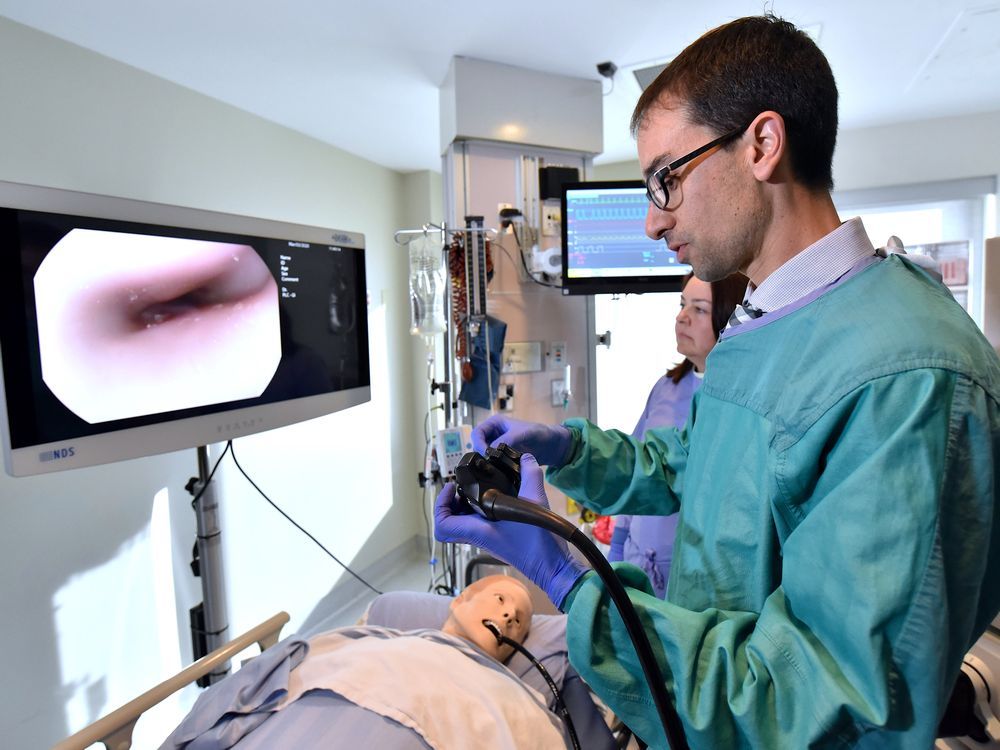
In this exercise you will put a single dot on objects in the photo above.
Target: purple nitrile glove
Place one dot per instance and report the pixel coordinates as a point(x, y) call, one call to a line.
point(549, 444)
point(543, 557)
point(618, 537)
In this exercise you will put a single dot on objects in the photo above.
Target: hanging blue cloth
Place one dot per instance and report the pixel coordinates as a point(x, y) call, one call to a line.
point(477, 391)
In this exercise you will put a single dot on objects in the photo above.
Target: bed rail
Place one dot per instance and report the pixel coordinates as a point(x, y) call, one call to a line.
point(115, 729)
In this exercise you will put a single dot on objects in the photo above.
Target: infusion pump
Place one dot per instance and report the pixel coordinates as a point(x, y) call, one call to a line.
point(452, 444)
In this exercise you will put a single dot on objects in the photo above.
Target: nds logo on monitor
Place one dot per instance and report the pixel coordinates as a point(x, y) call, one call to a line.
point(240, 425)
point(56, 454)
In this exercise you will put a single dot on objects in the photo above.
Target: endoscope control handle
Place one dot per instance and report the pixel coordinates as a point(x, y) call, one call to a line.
point(500, 507)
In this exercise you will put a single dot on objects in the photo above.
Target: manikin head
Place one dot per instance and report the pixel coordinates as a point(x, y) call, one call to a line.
point(501, 599)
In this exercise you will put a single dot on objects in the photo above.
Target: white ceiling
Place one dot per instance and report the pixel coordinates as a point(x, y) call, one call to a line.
point(364, 75)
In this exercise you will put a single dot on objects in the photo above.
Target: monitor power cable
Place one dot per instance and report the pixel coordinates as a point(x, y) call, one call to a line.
point(232, 452)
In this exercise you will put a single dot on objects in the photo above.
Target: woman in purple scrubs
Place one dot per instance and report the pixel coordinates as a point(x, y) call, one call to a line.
point(648, 541)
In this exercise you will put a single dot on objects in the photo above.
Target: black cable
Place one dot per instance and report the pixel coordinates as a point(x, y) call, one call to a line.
point(197, 497)
point(449, 573)
point(560, 703)
point(423, 493)
point(232, 452)
point(431, 559)
point(441, 582)
point(434, 577)
point(497, 506)
point(506, 252)
point(524, 265)
point(450, 585)
point(442, 588)
point(439, 588)
point(427, 526)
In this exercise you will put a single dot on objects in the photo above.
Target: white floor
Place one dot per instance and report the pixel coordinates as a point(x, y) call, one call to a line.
point(413, 575)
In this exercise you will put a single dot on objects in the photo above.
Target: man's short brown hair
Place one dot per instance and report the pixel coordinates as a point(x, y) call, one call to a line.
point(748, 66)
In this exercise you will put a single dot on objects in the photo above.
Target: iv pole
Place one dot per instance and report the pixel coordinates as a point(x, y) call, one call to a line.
point(209, 622)
point(402, 237)
point(452, 372)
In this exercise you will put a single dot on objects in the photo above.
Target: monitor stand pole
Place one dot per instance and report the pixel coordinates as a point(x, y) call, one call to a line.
point(209, 624)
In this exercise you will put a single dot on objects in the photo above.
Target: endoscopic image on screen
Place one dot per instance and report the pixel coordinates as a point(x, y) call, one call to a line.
point(134, 324)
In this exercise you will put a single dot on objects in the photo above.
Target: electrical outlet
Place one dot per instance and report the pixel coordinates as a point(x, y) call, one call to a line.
point(557, 355)
point(551, 221)
point(505, 400)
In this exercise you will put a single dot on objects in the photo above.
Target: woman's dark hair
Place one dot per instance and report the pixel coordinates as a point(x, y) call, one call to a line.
point(751, 65)
point(727, 293)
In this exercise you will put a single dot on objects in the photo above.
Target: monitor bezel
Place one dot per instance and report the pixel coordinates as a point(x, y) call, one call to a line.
point(187, 432)
point(631, 284)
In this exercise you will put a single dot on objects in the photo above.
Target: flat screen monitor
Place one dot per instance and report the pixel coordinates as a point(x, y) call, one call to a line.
point(131, 328)
point(605, 249)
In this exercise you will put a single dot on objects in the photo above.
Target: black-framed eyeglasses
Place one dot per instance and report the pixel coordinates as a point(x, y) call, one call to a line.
point(657, 190)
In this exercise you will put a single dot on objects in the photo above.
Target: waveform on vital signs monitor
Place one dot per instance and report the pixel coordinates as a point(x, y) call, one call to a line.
point(605, 229)
point(605, 243)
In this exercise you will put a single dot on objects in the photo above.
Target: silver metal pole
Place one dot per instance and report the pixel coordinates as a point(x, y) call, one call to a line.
point(449, 332)
point(213, 583)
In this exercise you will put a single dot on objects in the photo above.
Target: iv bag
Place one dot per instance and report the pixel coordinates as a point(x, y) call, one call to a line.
point(427, 287)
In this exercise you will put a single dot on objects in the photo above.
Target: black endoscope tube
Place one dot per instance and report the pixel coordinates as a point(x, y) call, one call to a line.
point(506, 508)
point(560, 703)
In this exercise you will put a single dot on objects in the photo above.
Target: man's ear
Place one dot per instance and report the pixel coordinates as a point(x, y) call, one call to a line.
point(770, 144)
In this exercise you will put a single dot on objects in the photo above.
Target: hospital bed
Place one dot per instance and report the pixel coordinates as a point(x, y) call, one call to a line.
point(401, 610)
point(114, 730)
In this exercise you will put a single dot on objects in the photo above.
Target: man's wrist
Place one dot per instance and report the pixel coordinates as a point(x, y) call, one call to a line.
point(569, 439)
point(565, 581)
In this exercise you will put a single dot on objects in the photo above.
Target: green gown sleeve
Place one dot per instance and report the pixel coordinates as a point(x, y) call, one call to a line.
point(612, 472)
point(888, 501)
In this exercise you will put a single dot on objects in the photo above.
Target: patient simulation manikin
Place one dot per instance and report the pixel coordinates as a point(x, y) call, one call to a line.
point(500, 599)
point(369, 686)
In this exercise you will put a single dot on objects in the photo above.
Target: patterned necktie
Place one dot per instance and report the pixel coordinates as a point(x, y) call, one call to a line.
point(743, 314)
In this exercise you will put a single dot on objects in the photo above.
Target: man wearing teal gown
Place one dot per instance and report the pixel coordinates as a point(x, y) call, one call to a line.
point(837, 550)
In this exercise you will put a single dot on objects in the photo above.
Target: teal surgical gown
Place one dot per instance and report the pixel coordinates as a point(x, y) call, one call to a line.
point(837, 549)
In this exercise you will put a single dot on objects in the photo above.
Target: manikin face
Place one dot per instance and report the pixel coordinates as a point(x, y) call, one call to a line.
point(693, 326)
point(716, 225)
point(501, 599)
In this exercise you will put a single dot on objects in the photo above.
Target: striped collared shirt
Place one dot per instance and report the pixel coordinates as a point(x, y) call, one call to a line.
point(820, 264)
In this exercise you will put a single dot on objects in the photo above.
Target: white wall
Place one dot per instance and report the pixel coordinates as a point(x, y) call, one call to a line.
point(946, 148)
point(617, 170)
point(85, 614)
